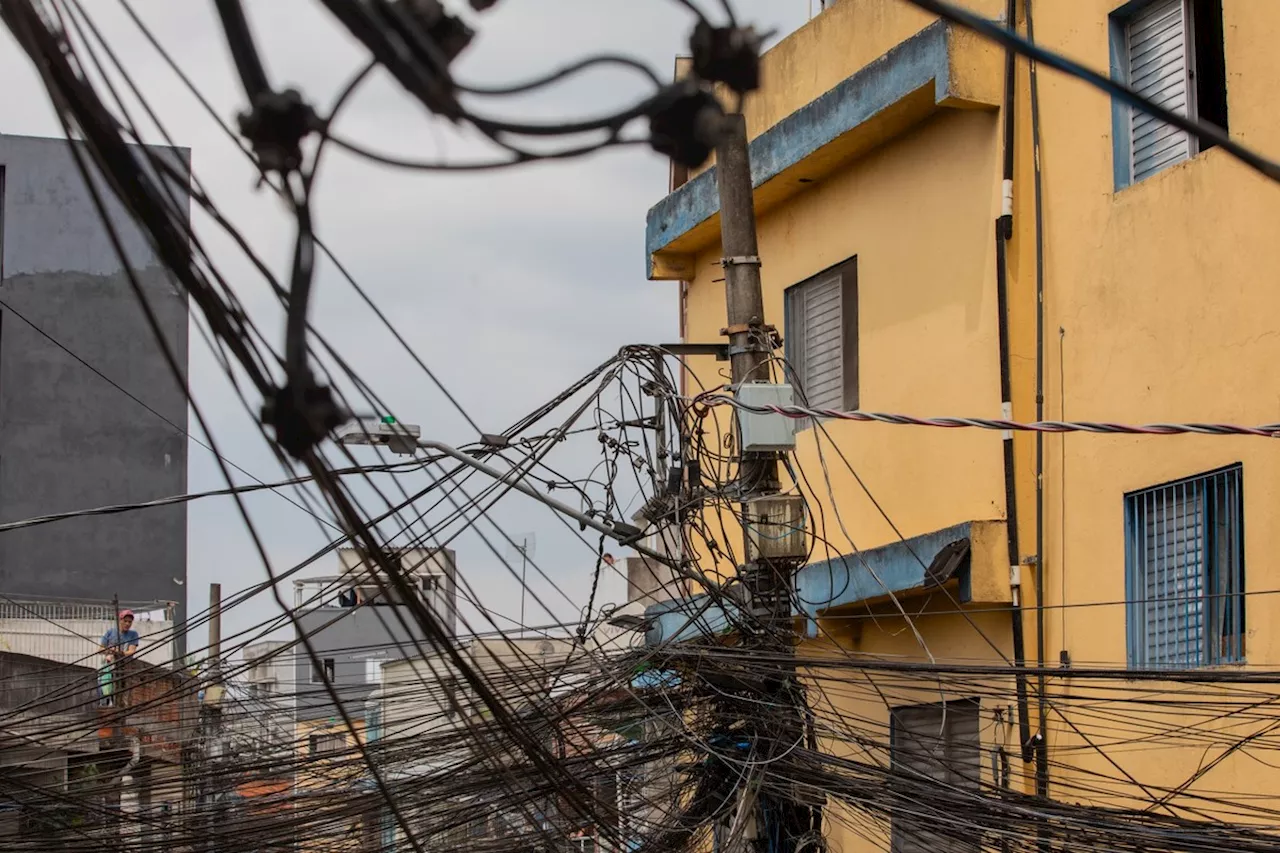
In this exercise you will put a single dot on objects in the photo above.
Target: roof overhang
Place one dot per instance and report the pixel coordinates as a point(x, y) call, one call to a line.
point(941, 67)
point(969, 558)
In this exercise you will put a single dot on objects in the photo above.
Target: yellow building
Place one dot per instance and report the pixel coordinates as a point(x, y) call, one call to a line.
point(878, 146)
point(330, 787)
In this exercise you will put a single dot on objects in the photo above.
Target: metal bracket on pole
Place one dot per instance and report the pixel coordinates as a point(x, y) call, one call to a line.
point(761, 337)
point(740, 260)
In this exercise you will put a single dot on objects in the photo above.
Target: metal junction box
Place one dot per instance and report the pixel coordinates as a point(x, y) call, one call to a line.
point(776, 528)
point(765, 433)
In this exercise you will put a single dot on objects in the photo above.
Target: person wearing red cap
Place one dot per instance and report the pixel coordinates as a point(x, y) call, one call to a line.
point(118, 643)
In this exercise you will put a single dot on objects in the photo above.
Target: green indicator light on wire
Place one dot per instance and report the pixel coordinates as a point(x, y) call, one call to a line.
point(388, 419)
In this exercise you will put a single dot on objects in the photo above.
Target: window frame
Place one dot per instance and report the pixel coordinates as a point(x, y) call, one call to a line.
point(373, 670)
point(849, 345)
point(951, 712)
point(332, 741)
point(1229, 649)
point(325, 667)
point(1121, 112)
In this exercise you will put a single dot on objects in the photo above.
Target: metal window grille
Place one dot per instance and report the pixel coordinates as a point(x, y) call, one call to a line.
point(1184, 570)
point(1159, 67)
point(940, 745)
point(60, 611)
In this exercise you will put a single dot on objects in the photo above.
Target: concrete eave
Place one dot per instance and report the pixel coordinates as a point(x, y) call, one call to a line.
point(694, 618)
point(970, 558)
point(940, 67)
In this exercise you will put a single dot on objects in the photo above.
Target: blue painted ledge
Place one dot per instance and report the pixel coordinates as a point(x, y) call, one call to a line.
point(907, 69)
point(900, 567)
point(689, 619)
point(916, 564)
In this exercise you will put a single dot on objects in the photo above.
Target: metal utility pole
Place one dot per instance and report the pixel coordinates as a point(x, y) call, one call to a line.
point(750, 345)
point(767, 572)
point(215, 632)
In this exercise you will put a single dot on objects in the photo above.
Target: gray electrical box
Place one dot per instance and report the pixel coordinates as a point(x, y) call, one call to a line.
point(765, 433)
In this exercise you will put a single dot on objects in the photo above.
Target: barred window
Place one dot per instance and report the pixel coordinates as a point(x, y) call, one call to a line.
point(1184, 571)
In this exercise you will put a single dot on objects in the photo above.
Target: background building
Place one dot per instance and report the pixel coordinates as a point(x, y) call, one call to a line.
point(262, 721)
point(91, 413)
point(355, 629)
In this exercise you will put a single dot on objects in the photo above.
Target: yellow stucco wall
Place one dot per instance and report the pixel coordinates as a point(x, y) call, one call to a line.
point(918, 215)
point(1160, 305)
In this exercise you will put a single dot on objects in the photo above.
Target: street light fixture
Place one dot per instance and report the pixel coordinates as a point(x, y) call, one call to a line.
point(400, 439)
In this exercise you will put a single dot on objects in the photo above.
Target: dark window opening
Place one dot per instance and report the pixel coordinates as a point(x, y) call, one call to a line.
point(935, 752)
point(322, 671)
point(323, 744)
point(1210, 64)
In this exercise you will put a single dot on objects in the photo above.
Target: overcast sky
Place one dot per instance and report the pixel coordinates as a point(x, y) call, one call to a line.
point(509, 285)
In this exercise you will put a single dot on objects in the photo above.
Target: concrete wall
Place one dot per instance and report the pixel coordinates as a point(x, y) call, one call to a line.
point(416, 702)
point(350, 637)
point(69, 440)
point(265, 717)
point(415, 563)
point(77, 640)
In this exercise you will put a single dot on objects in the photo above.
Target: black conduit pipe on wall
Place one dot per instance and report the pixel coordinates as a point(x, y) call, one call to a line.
point(1042, 751)
point(1004, 231)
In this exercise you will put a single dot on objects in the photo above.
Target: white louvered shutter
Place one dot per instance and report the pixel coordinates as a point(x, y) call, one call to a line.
point(818, 311)
point(1159, 70)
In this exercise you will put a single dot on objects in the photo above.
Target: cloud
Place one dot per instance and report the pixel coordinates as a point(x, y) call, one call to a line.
point(509, 284)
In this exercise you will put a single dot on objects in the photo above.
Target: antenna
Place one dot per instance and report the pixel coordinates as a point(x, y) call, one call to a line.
point(523, 546)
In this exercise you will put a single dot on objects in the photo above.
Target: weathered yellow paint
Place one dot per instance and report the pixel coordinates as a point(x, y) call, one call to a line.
point(673, 266)
point(927, 323)
point(1160, 305)
point(972, 81)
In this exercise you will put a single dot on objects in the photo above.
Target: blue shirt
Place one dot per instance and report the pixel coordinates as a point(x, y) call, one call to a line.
point(117, 640)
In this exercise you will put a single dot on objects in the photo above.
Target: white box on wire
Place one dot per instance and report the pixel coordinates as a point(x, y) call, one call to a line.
point(765, 433)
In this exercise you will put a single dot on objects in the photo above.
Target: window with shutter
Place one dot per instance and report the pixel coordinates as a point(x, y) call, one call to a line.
point(1159, 69)
point(1184, 570)
point(933, 748)
point(821, 333)
point(1170, 52)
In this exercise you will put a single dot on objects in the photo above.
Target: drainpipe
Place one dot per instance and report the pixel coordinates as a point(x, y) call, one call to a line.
point(1004, 231)
point(1042, 745)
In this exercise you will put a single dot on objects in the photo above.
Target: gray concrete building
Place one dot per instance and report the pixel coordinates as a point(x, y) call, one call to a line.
point(355, 628)
point(91, 412)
